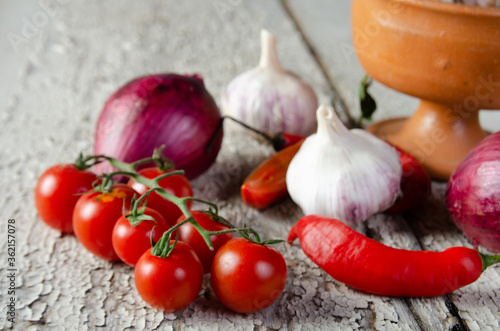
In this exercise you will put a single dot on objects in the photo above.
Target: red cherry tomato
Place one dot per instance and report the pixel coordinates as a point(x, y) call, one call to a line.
point(169, 283)
point(95, 216)
point(191, 236)
point(177, 185)
point(56, 193)
point(248, 277)
point(130, 242)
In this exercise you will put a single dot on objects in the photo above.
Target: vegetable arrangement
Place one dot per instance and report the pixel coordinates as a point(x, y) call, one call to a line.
point(148, 223)
point(370, 266)
point(114, 222)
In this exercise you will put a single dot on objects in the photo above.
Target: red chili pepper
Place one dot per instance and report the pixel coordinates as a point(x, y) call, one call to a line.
point(283, 140)
point(370, 266)
point(415, 184)
point(266, 185)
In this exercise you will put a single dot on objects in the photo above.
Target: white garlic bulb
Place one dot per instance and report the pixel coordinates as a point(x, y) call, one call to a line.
point(269, 98)
point(345, 174)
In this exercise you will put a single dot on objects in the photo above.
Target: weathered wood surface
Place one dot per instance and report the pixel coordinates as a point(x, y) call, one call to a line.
point(52, 91)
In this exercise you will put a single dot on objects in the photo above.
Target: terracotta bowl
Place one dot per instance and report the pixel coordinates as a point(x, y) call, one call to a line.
point(446, 54)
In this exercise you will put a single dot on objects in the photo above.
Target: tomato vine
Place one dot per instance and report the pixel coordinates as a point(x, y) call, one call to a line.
point(163, 247)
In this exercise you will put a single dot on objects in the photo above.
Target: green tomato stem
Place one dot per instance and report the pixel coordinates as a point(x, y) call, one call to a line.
point(169, 174)
point(84, 163)
point(126, 167)
point(161, 161)
point(211, 205)
point(80, 163)
point(163, 247)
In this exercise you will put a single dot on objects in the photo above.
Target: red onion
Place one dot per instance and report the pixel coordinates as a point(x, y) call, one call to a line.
point(164, 109)
point(473, 194)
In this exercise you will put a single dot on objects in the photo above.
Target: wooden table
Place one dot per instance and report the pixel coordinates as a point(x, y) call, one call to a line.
point(60, 60)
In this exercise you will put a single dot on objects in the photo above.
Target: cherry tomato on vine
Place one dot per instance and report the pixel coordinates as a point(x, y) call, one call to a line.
point(95, 216)
point(248, 277)
point(191, 236)
point(57, 191)
point(169, 283)
point(130, 242)
point(177, 185)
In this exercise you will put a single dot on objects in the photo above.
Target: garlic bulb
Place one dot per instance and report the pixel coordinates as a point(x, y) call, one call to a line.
point(341, 173)
point(270, 98)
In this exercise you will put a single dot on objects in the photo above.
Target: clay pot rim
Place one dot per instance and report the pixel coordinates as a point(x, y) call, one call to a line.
point(452, 8)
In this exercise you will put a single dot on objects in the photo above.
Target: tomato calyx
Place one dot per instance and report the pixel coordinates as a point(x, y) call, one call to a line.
point(163, 247)
point(136, 214)
point(163, 163)
point(104, 182)
point(83, 163)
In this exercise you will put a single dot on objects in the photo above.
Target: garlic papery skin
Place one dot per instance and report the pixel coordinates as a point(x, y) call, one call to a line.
point(270, 98)
point(345, 174)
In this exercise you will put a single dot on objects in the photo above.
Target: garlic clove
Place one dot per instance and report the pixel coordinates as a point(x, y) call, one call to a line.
point(341, 173)
point(270, 98)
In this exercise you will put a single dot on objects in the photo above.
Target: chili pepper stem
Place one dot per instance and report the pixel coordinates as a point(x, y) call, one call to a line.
point(277, 141)
point(489, 260)
point(248, 127)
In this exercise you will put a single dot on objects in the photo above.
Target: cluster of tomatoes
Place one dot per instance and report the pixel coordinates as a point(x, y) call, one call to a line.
point(245, 275)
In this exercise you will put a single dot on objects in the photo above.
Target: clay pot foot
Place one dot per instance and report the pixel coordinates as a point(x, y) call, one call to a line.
point(438, 135)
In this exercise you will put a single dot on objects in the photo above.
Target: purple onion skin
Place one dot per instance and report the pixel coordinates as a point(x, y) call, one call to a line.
point(163, 109)
point(473, 194)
